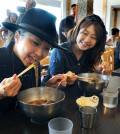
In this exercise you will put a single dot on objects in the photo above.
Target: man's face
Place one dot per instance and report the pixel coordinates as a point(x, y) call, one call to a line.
point(28, 4)
point(30, 48)
point(13, 18)
point(73, 10)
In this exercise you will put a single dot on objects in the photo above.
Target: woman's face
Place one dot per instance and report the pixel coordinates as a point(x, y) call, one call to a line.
point(13, 18)
point(30, 48)
point(86, 38)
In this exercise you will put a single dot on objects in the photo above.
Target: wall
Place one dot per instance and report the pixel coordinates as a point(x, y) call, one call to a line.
point(85, 7)
point(74, 1)
point(109, 14)
point(98, 9)
point(109, 17)
point(119, 20)
point(63, 7)
point(96, 4)
point(82, 8)
point(54, 3)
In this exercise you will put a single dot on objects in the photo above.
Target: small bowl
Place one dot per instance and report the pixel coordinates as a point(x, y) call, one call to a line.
point(87, 101)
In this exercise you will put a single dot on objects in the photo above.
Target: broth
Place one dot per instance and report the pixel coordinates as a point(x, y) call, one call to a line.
point(40, 102)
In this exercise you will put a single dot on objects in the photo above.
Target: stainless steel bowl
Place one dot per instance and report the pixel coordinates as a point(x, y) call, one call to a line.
point(93, 87)
point(39, 113)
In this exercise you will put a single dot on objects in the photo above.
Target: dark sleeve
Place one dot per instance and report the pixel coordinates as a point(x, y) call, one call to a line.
point(56, 62)
point(2, 63)
point(56, 66)
point(118, 46)
point(61, 29)
point(19, 18)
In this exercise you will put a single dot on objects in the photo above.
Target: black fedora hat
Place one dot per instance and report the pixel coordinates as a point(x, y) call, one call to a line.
point(38, 22)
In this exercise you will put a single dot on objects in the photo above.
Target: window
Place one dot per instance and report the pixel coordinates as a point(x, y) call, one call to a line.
point(12, 5)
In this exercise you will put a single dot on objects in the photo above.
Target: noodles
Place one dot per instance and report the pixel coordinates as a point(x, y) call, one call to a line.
point(36, 73)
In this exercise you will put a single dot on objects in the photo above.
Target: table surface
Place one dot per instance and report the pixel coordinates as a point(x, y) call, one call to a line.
point(107, 121)
point(116, 72)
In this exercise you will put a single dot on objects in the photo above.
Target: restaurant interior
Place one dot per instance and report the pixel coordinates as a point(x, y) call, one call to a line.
point(92, 103)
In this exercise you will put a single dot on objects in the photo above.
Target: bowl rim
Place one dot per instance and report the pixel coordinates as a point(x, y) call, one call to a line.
point(36, 105)
point(85, 81)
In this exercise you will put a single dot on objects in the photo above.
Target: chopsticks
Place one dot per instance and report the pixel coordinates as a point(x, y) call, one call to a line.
point(20, 74)
point(27, 69)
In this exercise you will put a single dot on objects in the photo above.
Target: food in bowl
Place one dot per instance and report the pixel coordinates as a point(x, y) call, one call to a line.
point(41, 102)
point(71, 77)
point(88, 101)
point(91, 87)
point(93, 79)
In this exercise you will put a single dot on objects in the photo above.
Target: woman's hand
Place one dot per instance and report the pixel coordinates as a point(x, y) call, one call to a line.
point(56, 80)
point(13, 86)
point(104, 68)
point(71, 77)
point(62, 80)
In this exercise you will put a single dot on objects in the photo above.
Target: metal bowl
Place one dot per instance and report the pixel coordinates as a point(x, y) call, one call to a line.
point(93, 87)
point(40, 113)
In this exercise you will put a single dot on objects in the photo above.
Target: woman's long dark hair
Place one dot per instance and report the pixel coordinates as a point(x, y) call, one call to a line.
point(91, 56)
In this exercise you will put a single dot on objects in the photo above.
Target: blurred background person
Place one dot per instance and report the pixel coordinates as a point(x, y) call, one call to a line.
point(113, 38)
point(28, 5)
point(65, 25)
point(10, 36)
point(73, 13)
point(117, 56)
point(3, 30)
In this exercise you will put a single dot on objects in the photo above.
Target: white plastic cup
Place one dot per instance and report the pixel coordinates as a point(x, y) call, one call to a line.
point(60, 126)
point(110, 98)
